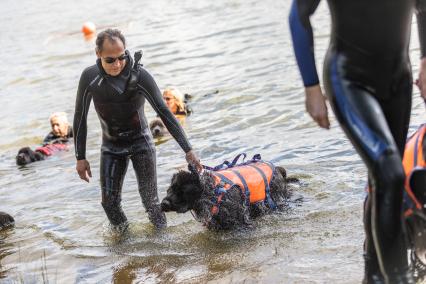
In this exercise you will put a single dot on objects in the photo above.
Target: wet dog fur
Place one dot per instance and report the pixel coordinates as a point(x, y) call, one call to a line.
point(158, 129)
point(189, 191)
point(26, 156)
point(6, 220)
point(416, 227)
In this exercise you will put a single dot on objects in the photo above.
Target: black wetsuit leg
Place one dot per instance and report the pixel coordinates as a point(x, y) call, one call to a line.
point(372, 269)
point(144, 163)
point(112, 171)
point(114, 162)
point(375, 118)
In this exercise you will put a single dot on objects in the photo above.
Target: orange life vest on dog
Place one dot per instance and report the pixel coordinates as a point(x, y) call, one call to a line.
point(252, 177)
point(414, 161)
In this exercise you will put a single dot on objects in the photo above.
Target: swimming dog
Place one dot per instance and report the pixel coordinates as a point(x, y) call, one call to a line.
point(230, 197)
point(26, 155)
point(6, 220)
point(157, 128)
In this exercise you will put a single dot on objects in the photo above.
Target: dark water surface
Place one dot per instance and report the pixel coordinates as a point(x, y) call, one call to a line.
point(240, 48)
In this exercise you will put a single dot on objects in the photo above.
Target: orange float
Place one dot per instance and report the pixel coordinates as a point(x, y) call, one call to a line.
point(88, 29)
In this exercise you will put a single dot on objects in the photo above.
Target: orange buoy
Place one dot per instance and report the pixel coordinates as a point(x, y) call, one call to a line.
point(88, 29)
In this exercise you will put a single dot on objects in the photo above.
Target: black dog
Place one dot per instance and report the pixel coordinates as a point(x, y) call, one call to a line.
point(6, 220)
point(416, 226)
point(189, 191)
point(26, 156)
point(414, 202)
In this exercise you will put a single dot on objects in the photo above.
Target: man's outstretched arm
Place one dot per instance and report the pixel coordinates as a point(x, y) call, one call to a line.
point(80, 127)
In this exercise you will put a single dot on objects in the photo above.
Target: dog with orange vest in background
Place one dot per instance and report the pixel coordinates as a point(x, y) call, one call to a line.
point(414, 163)
point(229, 195)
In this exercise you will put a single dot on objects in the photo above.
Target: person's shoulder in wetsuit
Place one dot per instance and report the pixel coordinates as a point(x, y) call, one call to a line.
point(61, 129)
point(87, 78)
point(303, 44)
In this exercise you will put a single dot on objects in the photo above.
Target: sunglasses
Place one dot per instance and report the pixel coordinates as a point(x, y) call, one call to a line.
point(111, 60)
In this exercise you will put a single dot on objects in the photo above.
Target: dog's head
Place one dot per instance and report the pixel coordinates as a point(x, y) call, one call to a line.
point(185, 189)
point(6, 220)
point(26, 156)
point(157, 128)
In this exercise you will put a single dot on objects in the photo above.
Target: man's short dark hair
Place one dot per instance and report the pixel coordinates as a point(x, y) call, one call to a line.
point(111, 35)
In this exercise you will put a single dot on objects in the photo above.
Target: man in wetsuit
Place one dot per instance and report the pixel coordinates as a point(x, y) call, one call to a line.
point(125, 134)
point(367, 78)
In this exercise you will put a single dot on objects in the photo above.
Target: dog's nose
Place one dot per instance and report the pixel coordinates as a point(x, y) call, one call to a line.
point(165, 205)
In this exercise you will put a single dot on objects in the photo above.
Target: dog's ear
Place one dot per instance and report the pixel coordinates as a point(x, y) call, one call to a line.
point(175, 178)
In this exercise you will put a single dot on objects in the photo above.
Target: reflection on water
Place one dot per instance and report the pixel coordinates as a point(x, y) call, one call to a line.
point(236, 59)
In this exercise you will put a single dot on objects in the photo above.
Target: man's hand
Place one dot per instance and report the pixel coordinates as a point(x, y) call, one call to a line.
point(316, 107)
point(83, 170)
point(193, 160)
point(421, 81)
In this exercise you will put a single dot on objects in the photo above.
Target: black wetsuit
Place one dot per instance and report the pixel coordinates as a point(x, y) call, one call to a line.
point(125, 134)
point(52, 138)
point(367, 76)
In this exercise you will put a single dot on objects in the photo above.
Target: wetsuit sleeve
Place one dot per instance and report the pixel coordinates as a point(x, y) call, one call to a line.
point(80, 117)
point(48, 138)
point(421, 23)
point(153, 95)
point(303, 41)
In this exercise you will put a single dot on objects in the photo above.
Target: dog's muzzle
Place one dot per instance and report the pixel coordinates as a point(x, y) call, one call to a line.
point(165, 205)
point(21, 159)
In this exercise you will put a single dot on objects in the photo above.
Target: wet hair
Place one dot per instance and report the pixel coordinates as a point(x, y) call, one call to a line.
point(60, 115)
point(110, 34)
point(178, 96)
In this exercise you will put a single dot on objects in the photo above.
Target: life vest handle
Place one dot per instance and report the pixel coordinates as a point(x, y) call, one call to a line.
point(226, 164)
point(235, 160)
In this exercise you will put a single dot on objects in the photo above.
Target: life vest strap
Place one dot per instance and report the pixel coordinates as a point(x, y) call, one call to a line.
point(234, 162)
point(271, 203)
point(244, 183)
point(226, 164)
point(223, 178)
